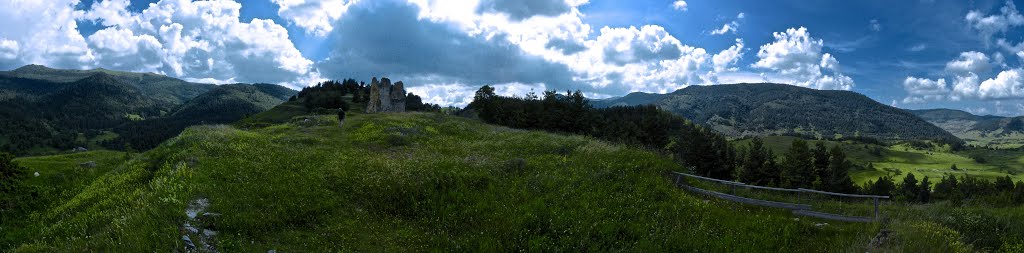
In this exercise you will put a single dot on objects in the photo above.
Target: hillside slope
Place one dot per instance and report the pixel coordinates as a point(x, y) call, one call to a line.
point(98, 101)
point(988, 130)
point(763, 109)
point(55, 109)
point(224, 104)
point(409, 182)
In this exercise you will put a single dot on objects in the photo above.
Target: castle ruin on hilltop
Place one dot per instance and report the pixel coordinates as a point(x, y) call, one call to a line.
point(385, 97)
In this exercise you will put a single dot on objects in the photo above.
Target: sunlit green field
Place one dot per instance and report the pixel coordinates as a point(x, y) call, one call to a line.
point(898, 160)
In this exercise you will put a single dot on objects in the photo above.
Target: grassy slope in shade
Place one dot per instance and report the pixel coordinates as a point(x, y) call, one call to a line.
point(61, 178)
point(400, 182)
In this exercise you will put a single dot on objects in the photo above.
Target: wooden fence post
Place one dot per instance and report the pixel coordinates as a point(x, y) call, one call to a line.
point(876, 209)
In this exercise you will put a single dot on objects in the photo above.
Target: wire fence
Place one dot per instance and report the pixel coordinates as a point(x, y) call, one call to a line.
point(804, 202)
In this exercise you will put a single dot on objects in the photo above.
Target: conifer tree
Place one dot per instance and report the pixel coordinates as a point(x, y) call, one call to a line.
point(798, 166)
point(909, 188)
point(837, 176)
point(821, 159)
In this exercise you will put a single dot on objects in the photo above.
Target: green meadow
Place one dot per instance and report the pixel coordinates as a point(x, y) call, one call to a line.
point(429, 182)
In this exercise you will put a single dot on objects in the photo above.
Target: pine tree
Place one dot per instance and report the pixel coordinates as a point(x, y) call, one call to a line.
point(798, 166)
point(909, 188)
point(924, 193)
point(882, 187)
point(758, 165)
point(948, 188)
point(1004, 184)
point(821, 158)
point(837, 176)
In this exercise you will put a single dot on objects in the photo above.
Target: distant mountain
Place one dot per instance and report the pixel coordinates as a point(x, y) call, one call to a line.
point(228, 103)
point(159, 88)
point(981, 130)
point(98, 101)
point(763, 109)
point(46, 109)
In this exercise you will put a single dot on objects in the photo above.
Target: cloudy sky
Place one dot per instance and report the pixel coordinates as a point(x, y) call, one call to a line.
point(911, 54)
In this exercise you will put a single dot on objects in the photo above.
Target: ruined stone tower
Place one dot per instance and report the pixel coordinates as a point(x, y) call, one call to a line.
point(385, 97)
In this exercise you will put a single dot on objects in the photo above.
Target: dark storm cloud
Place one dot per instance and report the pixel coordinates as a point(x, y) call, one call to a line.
point(389, 37)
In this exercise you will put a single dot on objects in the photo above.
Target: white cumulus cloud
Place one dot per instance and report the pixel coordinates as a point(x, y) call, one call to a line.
point(969, 62)
point(679, 5)
point(315, 16)
point(989, 25)
point(798, 57)
point(1008, 84)
point(45, 33)
point(922, 89)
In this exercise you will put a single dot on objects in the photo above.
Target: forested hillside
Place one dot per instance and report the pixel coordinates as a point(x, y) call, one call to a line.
point(764, 109)
point(53, 109)
point(223, 104)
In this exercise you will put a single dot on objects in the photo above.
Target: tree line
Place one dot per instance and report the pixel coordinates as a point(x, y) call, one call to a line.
point(708, 152)
point(956, 189)
point(705, 151)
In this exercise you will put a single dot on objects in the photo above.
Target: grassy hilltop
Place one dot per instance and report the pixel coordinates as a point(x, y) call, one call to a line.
point(406, 182)
point(428, 181)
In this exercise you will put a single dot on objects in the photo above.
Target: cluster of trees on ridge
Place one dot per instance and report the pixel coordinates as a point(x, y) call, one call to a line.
point(330, 95)
point(645, 125)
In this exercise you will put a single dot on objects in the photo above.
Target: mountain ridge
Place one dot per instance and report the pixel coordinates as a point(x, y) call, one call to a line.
point(983, 130)
point(757, 109)
point(55, 109)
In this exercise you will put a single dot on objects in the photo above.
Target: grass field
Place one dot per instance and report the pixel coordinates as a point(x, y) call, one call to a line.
point(61, 177)
point(426, 182)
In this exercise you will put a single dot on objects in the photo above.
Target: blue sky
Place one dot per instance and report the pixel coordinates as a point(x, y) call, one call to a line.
point(910, 54)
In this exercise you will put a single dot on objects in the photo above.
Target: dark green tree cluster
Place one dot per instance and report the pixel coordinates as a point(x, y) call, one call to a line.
point(329, 94)
point(10, 173)
point(757, 165)
point(801, 167)
point(414, 102)
point(706, 151)
point(1000, 192)
point(913, 191)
